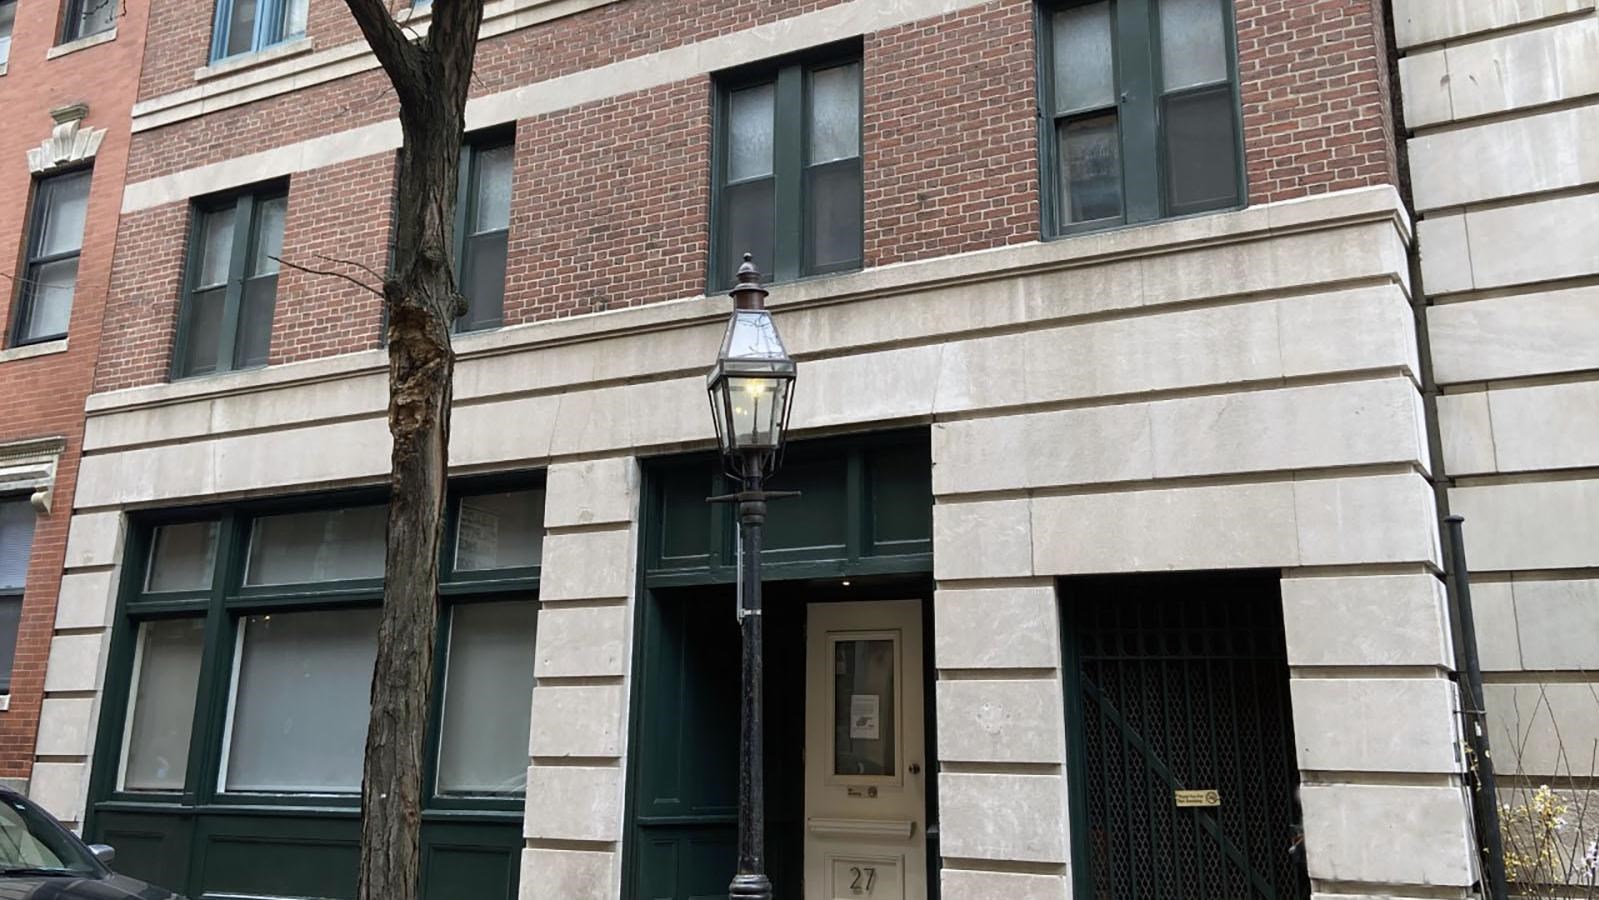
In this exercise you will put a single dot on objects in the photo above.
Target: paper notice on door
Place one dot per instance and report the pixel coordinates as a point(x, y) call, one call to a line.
point(863, 717)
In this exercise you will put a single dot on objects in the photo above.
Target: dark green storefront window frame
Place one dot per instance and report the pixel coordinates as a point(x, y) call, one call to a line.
point(1139, 103)
point(222, 607)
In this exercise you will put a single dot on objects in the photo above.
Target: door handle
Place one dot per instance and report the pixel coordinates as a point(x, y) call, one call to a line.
point(916, 768)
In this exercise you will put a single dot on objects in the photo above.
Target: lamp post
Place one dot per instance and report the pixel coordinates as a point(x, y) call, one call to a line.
point(751, 388)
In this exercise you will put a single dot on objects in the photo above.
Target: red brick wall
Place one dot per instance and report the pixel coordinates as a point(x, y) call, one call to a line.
point(951, 143)
point(1314, 83)
point(142, 320)
point(44, 395)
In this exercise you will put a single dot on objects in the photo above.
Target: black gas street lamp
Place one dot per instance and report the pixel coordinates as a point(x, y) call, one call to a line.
point(751, 388)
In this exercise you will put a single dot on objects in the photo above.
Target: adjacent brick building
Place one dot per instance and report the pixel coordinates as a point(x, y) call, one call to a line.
point(1113, 427)
point(68, 79)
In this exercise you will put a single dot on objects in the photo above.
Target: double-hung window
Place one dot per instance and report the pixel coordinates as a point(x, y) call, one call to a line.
point(788, 171)
point(1140, 111)
point(226, 322)
point(248, 26)
point(87, 18)
point(483, 215)
point(8, 20)
point(55, 239)
point(16, 541)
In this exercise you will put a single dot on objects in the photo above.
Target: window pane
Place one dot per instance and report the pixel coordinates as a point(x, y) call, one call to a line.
point(97, 16)
point(325, 545)
point(216, 247)
point(8, 18)
point(1085, 76)
point(1201, 151)
point(16, 540)
point(864, 718)
point(182, 557)
point(1090, 176)
point(255, 322)
point(241, 26)
point(66, 200)
point(746, 227)
point(50, 298)
point(268, 244)
point(483, 281)
point(166, 673)
point(294, 19)
point(492, 205)
point(833, 216)
point(1193, 43)
point(500, 531)
point(835, 113)
point(749, 132)
point(203, 332)
point(300, 704)
point(488, 698)
point(10, 618)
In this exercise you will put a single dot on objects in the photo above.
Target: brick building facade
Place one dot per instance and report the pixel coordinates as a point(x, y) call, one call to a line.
point(1057, 471)
point(68, 80)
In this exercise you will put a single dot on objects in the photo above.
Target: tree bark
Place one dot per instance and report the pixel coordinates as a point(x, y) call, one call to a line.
point(431, 76)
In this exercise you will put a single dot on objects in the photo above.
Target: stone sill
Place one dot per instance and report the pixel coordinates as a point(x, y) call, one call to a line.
point(3, 67)
point(93, 40)
point(246, 61)
point(29, 351)
point(1373, 204)
point(5, 701)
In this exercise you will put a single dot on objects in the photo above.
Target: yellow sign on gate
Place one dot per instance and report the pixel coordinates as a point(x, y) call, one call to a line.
point(1207, 797)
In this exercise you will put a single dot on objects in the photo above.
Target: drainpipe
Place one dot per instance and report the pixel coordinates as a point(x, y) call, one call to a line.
point(1457, 578)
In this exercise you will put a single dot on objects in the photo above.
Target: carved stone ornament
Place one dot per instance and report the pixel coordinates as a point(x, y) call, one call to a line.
point(69, 142)
point(31, 466)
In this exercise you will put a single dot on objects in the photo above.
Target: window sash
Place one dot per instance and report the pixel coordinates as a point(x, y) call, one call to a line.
point(87, 18)
point(1140, 108)
point(792, 171)
point(275, 21)
point(8, 18)
point(242, 260)
point(47, 204)
point(482, 312)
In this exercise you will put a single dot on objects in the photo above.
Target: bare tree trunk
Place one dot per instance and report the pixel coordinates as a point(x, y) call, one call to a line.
point(431, 76)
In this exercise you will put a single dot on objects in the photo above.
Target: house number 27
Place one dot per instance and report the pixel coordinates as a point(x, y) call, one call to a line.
point(865, 879)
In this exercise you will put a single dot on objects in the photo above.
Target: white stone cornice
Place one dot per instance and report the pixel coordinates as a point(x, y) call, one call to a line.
point(69, 142)
point(31, 466)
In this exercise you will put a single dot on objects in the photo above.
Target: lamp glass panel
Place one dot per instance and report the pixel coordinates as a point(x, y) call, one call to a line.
point(756, 405)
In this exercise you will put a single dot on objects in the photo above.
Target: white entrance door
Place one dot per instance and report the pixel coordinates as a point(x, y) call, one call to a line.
point(865, 766)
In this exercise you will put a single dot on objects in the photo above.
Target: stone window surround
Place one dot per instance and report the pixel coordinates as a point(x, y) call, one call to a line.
point(69, 142)
point(30, 466)
point(29, 351)
point(93, 40)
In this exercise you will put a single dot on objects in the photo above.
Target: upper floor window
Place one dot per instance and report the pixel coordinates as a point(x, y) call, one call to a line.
point(226, 320)
point(789, 171)
point(87, 18)
point(246, 26)
point(484, 217)
point(50, 274)
point(8, 19)
point(16, 541)
point(1142, 112)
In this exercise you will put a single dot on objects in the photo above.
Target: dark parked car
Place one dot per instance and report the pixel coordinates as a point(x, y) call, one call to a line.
point(41, 860)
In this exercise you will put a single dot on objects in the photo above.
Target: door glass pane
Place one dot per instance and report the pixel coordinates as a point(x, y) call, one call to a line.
point(325, 545)
point(864, 717)
point(255, 322)
point(241, 26)
point(1085, 75)
point(300, 704)
point(216, 247)
point(488, 699)
point(1201, 151)
point(166, 673)
point(751, 120)
point(492, 205)
point(67, 204)
point(182, 557)
point(499, 531)
point(268, 245)
point(1193, 43)
point(483, 281)
point(204, 331)
point(835, 124)
point(50, 298)
point(833, 215)
point(1090, 164)
point(746, 227)
point(16, 540)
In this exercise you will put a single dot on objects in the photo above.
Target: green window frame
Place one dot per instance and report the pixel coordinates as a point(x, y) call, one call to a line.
point(205, 607)
point(787, 163)
point(16, 543)
point(87, 18)
point(230, 282)
point(482, 229)
point(50, 270)
point(1139, 112)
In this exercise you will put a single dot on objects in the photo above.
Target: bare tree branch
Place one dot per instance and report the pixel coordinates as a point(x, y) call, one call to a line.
point(328, 272)
point(351, 263)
